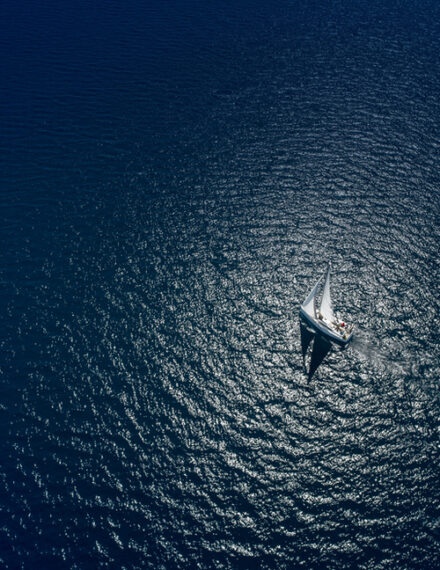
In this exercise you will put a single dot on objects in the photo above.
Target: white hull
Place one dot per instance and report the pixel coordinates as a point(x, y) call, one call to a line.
point(325, 330)
point(324, 320)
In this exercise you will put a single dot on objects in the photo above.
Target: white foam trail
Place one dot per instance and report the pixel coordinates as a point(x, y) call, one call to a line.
point(365, 345)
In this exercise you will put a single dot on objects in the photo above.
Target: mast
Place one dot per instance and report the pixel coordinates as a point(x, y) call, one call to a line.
point(326, 302)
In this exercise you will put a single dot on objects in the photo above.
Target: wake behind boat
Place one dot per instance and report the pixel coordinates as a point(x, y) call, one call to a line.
point(323, 318)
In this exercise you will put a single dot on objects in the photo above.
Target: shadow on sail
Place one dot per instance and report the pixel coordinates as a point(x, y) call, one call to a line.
point(320, 348)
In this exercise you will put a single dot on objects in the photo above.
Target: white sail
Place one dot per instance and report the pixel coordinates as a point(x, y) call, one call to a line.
point(322, 319)
point(326, 302)
point(309, 304)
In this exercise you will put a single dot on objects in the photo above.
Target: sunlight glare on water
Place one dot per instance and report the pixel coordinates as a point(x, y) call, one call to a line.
point(176, 177)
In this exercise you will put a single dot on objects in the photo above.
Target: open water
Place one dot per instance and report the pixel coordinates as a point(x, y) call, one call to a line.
point(175, 176)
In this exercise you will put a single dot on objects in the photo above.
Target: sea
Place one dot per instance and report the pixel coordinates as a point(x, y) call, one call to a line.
point(175, 175)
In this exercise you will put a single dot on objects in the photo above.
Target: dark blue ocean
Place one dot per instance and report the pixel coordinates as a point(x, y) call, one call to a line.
point(174, 177)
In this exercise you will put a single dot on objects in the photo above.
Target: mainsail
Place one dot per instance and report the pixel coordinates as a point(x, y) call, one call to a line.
point(326, 302)
point(309, 304)
point(319, 314)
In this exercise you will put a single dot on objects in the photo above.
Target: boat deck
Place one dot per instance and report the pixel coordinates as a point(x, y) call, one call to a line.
point(330, 328)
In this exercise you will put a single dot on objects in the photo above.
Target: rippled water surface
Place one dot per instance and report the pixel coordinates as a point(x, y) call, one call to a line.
point(175, 177)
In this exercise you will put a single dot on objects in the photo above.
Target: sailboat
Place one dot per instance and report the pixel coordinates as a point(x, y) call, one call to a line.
point(323, 318)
